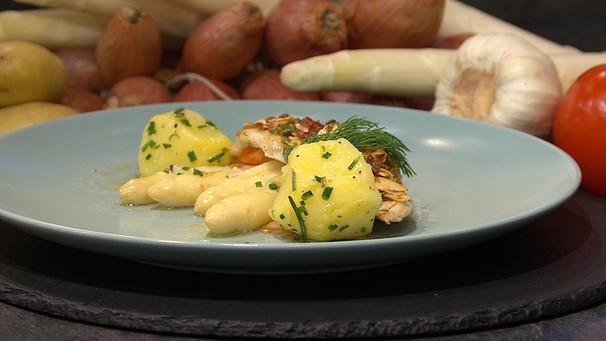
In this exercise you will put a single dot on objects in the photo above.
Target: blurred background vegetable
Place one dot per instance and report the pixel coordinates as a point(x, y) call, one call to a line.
point(298, 29)
point(130, 45)
point(392, 23)
point(580, 127)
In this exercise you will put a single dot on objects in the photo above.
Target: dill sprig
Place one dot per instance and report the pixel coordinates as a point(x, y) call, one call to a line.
point(366, 136)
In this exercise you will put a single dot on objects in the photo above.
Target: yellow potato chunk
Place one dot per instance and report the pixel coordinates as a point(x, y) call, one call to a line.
point(328, 192)
point(182, 137)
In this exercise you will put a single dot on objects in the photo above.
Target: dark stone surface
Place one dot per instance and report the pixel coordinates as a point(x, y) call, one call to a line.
point(552, 267)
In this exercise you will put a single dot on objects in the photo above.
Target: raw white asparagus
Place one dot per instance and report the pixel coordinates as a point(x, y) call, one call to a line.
point(53, 28)
point(395, 72)
point(462, 18)
point(172, 18)
point(400, 72)
point(209, 7)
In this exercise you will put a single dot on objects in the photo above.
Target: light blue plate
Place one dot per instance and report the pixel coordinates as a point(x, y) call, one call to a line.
point(475, 181)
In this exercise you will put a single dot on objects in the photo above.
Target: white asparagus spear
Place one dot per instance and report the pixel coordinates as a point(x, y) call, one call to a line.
point(172, 18)
point(462, 18)
point(400, 72)
point(395, 72)
point(210, 7)
point(53, 28)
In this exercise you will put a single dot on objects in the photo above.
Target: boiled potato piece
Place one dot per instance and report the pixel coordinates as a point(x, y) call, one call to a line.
point(24, 115)
point(182, 137)
point(328, 192)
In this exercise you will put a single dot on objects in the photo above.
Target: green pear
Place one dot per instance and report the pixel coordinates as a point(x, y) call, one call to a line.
point(30, 72)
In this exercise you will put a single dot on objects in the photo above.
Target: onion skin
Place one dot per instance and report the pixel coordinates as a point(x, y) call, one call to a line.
point(299, 29)
point(82, 68)
point(266, 85)
point(129, 45)
point(223, 45)
point(136, 90)
point(452, 42)
point(82, 100)
point(197, 91)
point(392, 23)
point(347, 97)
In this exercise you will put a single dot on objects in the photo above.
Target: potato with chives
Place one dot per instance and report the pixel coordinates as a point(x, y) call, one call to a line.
point(328, 192)
point(181, 137)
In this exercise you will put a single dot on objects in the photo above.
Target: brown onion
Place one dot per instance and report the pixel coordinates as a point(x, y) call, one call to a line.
point(136, 90)
point(224, 44)
point(82, 68)
point(266, 84)
point(129, 45)
point(82, 100)
point(392, 23)
point(299, 29)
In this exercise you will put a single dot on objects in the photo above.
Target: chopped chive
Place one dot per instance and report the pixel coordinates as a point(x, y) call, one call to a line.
point(326, 155)
point(363, 230)
point(273, 186)
point(197, 172)
point(167, 145)
point(144, 147)
point(282, 216)
point(258, 184)
point(326, 193)
point(148, 156)
point(332, 227)
point(306, 195)
point(179, 112)
point(186, 168)
point(185, 122)
point(151, 128)
point(353, 163)
point(343, 228)
point(294, 180)
point(217, 156)
point(192, 156)
point(321, 179)
point(299, 218)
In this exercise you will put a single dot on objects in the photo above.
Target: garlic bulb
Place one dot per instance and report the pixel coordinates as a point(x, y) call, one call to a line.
point(502, 79)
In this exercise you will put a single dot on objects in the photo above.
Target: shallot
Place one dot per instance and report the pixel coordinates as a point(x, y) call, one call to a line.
point(222, 46)
point(130, 45)
point(82, 68)
point(392, 23)
point(82, 100)
point(299, 29)
point(136, 90)
point(266, 84)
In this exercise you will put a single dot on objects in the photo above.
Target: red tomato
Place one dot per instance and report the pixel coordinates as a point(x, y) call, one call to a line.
point(580, 127)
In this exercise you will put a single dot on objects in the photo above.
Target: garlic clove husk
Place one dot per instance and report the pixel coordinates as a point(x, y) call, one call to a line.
point(501, 79)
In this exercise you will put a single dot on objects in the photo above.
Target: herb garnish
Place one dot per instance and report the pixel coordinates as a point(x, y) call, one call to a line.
point(217, 156)
point(299, 217)
point(192, 156)
point(365, 135)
